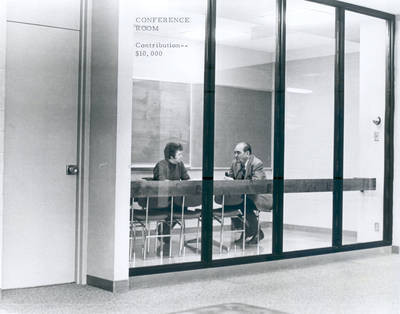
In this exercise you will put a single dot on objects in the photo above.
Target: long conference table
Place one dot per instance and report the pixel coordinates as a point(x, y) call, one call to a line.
point(143, 188)
point(147, 189)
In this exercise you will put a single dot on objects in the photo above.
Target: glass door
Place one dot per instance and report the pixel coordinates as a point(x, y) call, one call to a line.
point(309, 124)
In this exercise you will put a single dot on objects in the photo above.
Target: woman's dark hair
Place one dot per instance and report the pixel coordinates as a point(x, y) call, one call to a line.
point(171, 149)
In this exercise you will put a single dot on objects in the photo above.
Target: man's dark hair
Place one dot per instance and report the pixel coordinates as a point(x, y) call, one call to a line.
point(246, 147)
point(171, 149)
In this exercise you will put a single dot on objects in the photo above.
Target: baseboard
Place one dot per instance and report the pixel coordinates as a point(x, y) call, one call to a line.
point(349, 233)
point(109, 285)
point(395, 249)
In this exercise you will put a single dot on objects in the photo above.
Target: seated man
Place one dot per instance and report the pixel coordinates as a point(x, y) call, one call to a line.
point(170, 168)
point(246, 166)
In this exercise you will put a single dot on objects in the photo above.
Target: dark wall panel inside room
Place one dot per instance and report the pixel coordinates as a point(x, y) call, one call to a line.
point(240, 115)
point(168, 111)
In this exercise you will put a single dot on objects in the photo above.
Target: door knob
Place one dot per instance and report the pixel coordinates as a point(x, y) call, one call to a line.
point(72, 170)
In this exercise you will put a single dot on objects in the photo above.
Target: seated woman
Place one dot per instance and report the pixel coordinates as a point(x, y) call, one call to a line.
point(170, 168)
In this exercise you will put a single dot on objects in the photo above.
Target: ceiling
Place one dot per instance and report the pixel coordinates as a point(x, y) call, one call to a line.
point(389, 6)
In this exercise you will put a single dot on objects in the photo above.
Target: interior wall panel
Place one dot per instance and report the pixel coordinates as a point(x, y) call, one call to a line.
point(55, 13)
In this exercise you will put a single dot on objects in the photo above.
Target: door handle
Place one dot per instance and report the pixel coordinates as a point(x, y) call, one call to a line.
point(72, 170)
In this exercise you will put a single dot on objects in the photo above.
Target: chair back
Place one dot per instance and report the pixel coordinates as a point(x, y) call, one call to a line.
point(154, 201)
point(190, 200)
point(229, 200)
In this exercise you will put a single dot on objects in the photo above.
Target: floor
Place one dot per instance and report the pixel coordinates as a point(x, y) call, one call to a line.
point(364, 282)
point(293, 239)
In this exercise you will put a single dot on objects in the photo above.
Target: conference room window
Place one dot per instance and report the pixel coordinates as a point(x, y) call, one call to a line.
point(309, 123)
point(364, 117)
point(244, 79)
point(167, 83)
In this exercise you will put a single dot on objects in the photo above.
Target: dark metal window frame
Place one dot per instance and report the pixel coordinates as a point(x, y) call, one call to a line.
point(279, 140)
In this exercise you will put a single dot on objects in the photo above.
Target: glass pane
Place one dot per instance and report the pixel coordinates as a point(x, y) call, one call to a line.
point(364, 126)
point(309, 123)
point(168, 67)
point(245, 54)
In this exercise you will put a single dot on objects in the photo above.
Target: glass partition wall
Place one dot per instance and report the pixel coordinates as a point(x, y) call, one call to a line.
point(309, 122)
point(167, 83)
point(244, 84)
point(364, 125)
point(297, 119)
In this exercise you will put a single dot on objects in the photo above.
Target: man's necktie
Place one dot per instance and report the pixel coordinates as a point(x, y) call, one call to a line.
point(242, 172)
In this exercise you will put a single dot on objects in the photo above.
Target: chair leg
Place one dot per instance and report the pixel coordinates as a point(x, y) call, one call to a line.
point(130, 242)
point(147, 226)
point(184, 236)
point(156, 237)
point(197, 236)
point(148, 239)
point(170, 226)
point(182, 233)
point(144, 239)
point(244, 221)
point(134, 244)
point(221, 235)
point(244, 234)
point(162, 242)
point(145, 245)
point(181, 237)
point(258, 232)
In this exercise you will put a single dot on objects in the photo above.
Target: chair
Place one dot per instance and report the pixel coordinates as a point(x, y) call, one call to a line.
point(184, 202)
point(231, 208)
point(153, 209)
point(257, 212)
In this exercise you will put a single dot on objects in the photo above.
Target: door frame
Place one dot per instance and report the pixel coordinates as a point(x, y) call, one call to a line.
point(83, 136)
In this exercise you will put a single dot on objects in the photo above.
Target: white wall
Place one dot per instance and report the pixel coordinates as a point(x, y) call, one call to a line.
point(258, 77)
point(102, 164)
point(173, 65)
point(2, 105)
point(123, 145)
point(372, 105)
point(187, 64)
point(309, 138)
point(60, 13)
point(396, 178)
point(110, 141)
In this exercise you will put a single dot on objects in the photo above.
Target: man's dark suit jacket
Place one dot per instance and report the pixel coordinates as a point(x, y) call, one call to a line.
point(254, 171)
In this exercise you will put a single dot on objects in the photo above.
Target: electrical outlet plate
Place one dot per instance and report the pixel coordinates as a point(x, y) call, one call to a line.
point(376, 136)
